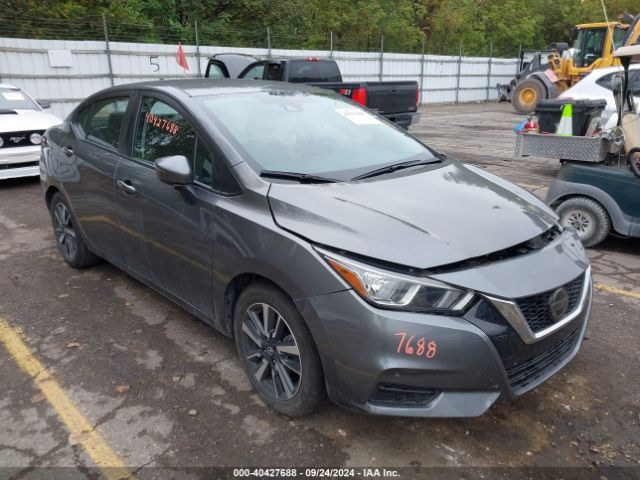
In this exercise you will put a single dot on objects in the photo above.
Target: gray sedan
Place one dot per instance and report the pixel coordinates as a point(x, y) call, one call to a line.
point(345, 258)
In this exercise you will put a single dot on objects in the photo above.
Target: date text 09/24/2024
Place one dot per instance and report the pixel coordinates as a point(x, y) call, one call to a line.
point(315, 473)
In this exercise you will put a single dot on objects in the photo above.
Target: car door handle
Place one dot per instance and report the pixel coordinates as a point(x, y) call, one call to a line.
point(126, 186)
point(68, 151)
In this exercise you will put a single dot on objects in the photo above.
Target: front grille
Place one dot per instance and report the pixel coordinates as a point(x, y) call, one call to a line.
point(521, 375)
point(18, 139)
point(9, 166)
point(402, 396)
point(536, 309)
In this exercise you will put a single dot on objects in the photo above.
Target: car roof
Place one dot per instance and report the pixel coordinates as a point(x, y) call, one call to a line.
point(310, 58)
point(628, 51)
point(232, 54)
point(601, 72)
point(207, 87)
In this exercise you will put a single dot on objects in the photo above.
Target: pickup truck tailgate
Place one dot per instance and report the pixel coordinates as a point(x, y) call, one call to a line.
point(392, 97)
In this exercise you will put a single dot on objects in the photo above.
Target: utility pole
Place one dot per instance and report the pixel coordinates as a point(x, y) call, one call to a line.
point(195, 27)
point(269, 43)
point(331, 44)
point(458, 73)
point(489, 70)
point(380, 74)
point(422, 58)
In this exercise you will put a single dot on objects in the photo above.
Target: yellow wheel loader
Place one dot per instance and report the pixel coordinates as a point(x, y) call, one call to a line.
point(593, 47)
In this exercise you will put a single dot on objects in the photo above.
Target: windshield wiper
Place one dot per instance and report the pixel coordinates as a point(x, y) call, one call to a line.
point(396, 166)
point(298, 177)
point(6, 110)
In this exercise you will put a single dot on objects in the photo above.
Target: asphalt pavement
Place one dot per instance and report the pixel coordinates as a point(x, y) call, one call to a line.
point(98, 370)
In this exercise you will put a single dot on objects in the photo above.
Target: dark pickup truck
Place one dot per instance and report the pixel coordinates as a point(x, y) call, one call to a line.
point(397, 101)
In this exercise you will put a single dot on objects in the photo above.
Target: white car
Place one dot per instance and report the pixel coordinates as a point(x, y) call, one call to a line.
point(22, 122)
point(598, 85)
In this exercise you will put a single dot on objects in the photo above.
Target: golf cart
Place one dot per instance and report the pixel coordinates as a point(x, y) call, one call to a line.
point(597, 189)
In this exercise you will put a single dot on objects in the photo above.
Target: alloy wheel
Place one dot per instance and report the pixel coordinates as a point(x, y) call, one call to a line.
point(271, 351)
point(65, 234)
point(582, 222)
point(528, 96)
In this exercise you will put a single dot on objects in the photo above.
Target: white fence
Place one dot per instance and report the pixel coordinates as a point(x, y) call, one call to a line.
point(65, 72)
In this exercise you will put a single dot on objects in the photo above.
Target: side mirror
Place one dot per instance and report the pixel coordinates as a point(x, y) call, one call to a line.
point(44, 103)
point(174, 170)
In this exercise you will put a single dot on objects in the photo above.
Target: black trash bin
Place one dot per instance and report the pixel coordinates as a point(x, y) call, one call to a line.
point(550, 111)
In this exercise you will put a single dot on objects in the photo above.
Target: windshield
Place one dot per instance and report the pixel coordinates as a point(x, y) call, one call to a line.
point(310, 133)
point(15, 99)
point(588, 46)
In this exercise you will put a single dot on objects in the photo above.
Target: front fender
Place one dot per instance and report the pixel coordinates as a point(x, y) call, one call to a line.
point(560, 189)
point(552, 90)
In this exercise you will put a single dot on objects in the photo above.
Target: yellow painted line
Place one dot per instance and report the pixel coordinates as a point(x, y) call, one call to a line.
point(619, 291)
point(93, 443)
point(532, 187)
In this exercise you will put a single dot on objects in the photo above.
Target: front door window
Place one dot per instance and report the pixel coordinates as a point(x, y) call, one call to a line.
point(162, 132)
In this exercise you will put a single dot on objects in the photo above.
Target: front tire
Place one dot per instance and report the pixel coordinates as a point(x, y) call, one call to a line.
point(72, 246)
point(277, 351)
point(527, 95)
point(587, 217)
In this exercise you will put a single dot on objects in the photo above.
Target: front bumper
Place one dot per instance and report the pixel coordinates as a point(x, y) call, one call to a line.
point(479, 357)
point(19, 162)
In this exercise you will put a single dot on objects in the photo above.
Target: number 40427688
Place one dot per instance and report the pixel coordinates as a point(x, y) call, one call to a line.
point(408, 345)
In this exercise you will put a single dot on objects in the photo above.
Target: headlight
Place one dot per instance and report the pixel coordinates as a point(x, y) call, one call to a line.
point(35, 138)
point(1, 142)
point(395, 290)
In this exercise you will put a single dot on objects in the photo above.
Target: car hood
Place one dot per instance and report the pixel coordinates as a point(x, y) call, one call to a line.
point(25, 120)
point(439, 215)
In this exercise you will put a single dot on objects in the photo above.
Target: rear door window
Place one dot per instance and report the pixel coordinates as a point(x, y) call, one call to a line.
point(101, 121)
point(610, 80)
point(606, 81)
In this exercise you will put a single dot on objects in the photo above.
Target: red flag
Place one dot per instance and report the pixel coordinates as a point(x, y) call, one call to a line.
point(181, 58)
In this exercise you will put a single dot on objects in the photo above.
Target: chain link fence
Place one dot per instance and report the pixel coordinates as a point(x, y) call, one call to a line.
point(78, 57)
point(122, 30)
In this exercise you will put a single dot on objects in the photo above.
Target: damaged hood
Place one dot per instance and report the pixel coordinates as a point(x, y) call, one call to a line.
point(440, 214)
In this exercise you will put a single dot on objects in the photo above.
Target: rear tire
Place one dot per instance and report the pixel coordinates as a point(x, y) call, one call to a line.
point(72, 246)
point(589, 219)
point(527, 95)
point(279, 355)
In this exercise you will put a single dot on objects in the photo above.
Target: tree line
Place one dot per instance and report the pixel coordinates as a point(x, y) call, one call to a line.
point(406, 25)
